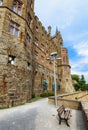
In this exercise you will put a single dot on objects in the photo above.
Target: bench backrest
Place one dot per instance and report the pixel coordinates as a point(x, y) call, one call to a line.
point(60, 110)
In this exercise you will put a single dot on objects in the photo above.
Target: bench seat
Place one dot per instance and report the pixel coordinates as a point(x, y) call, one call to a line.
point(63, 114)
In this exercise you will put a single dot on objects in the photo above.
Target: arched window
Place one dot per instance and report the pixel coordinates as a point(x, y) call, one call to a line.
point(44, 84)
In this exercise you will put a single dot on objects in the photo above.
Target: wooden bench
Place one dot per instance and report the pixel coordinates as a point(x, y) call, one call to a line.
point(63, 114)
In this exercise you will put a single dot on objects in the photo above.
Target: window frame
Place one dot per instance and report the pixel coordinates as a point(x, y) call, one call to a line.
point(42, 59)
point(28, 38)
point(11, 59)
point(36, 54)
point(17, 7)
point(14, 28)
point(29, 19)
point(36, 41)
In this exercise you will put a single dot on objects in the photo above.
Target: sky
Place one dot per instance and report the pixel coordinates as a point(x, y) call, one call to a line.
point(71, 19)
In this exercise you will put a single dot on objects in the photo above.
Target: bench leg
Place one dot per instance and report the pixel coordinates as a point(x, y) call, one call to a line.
point(59, 121)
point(67, 123)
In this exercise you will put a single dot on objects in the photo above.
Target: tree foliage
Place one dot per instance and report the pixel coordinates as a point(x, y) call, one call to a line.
point(81, 82)
point(75, 77)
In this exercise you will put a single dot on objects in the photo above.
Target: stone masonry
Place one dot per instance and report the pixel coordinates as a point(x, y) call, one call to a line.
point(24, 47)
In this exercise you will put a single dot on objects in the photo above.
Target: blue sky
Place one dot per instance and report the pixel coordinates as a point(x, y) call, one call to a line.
point(71, 18)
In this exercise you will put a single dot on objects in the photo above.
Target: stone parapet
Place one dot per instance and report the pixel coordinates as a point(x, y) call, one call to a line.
point(73, 104)
point(70, 100)
point(85, 111)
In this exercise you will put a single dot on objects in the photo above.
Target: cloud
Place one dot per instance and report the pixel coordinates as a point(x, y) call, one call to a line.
point(80, 65)
point(82, 48)
point(74, 71)
point(62, 12)
point(71, 18)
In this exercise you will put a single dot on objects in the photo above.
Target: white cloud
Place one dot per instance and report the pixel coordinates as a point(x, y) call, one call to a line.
point(67, 23)
point(74, 71)
point(81, 73)
point(62, 12)
point(71, 18)
point(80, 65)
point(82, 48)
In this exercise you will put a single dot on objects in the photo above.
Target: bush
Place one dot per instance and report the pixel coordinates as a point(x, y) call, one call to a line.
point(33, 95)
point(46, 94)
point(77, 87)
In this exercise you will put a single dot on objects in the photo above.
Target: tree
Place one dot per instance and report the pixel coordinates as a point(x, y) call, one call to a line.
point(82, 80)
point(75, 77)
point(77, 87)
point(81, 83)
point(84, 87)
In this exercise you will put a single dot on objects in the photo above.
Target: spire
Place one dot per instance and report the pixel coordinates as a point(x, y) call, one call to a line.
point(57, 29)
point(49, 29)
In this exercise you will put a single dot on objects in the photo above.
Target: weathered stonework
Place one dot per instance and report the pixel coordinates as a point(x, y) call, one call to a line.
point(28, 49)
point(71, 100)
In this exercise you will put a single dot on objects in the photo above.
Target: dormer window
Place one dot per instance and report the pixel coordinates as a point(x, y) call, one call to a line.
point(17, 7)
point(1, 2)
point(11, 59)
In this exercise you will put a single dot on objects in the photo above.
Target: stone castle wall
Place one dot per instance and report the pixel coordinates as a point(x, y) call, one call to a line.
point(23, 77)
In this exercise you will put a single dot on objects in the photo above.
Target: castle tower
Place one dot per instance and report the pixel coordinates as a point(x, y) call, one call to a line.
point(64, 73)
point(63, 69)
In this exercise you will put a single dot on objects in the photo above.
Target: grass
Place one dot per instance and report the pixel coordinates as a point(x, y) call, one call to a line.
point(34, 99)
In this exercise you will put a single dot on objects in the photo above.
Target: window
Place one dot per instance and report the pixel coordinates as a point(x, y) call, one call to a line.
point(14, 28)
point(67, 80)
point(1, 2)
point(29, 19)
point(63, 51)
point(30, 2)
point(11, 59)
point(42, 35)
point(36, 54)
point(64, 59)
point(17, 7)
point(44, 84)
point(28, 40)
point(37, 28)
point(36, 41)
point(42, 47)
point(28, 64)
point(42, 58)
point(65, 68)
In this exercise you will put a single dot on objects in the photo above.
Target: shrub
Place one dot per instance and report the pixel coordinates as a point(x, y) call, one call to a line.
point(46, 94)
point(33, 95)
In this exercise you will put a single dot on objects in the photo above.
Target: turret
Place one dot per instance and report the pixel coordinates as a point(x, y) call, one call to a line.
point(49, 29)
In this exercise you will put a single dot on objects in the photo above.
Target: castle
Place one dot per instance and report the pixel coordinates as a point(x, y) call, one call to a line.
point(25, 46)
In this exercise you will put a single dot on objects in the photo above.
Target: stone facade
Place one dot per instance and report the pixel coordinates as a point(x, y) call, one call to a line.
point(24, 47)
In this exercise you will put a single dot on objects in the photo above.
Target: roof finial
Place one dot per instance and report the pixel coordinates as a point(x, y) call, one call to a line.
point(49, 29)
point(57, 29)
